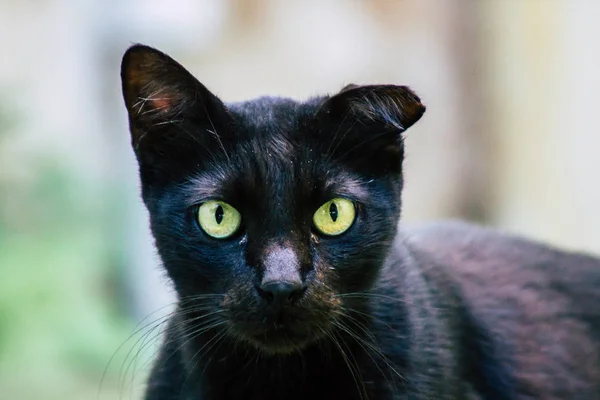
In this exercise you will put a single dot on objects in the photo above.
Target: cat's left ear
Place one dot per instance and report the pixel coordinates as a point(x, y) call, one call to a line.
point(395, 106)
point(373, 118)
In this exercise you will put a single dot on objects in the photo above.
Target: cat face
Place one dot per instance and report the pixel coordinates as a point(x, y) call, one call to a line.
point(267, 214)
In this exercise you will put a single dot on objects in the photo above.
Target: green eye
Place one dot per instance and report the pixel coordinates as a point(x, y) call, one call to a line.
point(334, 217)
point(218, 219)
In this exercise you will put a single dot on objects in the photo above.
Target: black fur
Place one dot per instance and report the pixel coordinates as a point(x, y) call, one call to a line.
point(449, 311)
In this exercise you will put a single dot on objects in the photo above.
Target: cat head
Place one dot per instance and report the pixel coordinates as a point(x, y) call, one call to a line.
point(268, 213)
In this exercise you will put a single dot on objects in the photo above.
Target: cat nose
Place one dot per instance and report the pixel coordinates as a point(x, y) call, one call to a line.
point(280, 293)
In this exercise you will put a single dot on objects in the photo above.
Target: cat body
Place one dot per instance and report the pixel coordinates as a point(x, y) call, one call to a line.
point(278, 224)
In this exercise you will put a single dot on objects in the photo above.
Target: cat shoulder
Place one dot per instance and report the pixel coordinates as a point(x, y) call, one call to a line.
point(537, 304)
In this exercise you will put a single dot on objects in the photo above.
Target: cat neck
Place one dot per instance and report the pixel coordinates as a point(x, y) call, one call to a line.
point(353, 366)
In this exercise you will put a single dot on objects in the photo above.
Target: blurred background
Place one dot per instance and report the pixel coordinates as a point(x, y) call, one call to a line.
point(511, 139)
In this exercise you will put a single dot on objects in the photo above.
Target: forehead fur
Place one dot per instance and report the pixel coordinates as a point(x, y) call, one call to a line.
point(271, 123)
point(279, 148)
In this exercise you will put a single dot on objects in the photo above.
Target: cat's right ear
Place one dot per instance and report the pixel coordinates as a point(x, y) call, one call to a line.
point(173, 118)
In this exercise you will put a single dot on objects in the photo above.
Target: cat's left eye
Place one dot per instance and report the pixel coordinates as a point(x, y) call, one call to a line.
point(334, 217)
point(218, 219)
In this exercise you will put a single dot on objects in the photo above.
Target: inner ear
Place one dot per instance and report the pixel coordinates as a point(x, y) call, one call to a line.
point(153, 83)
point(366, 123)
point(176, 123)
point(159, 91)
point(396, 106)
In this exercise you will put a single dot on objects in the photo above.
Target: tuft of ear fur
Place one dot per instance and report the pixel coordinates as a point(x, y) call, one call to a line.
point(372, 119)
point(152, 85)
point(395, 106)
point(160, 91)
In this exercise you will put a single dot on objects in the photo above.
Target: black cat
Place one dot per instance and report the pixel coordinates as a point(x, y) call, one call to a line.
point(277, 222)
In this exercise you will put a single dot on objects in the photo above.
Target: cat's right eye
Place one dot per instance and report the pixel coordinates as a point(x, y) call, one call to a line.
point(218, 219)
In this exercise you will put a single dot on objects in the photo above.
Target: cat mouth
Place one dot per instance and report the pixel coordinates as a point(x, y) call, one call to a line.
point(284, 330)
point(282, 340)
point(277, 338)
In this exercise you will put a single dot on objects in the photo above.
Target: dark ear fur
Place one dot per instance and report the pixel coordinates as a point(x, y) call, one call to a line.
point(373, 118)
point(172, 116)
point(396, 106)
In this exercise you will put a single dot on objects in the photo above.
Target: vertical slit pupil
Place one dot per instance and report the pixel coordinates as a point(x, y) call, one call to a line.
point(219, 214)
point(333, 212)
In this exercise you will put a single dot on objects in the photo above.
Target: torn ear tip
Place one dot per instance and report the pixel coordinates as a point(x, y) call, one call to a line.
point(349, 86)
point(416, 98)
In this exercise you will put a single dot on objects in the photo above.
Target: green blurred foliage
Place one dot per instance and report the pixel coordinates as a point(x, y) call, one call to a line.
point(61, 314)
